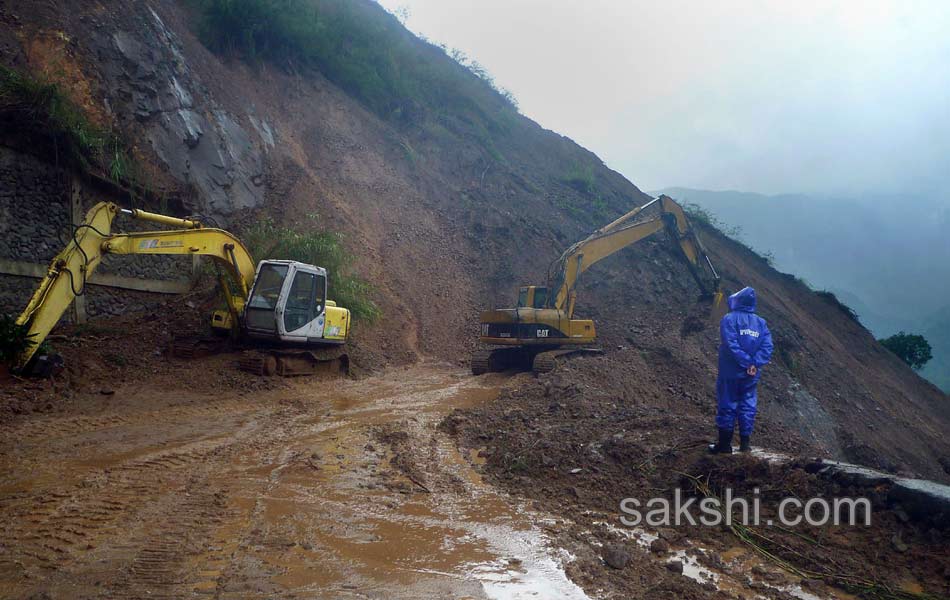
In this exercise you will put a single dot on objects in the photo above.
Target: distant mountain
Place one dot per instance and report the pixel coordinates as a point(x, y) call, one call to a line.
point(887, 257)
point(937, 331)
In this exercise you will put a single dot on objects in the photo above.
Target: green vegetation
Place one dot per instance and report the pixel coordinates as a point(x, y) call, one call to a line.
point(115, 359)
point(592, 209)
point(580, 178)
point(913, 349)
point(364, 50)
point(265, 239)
point(41, 107)
point(701, 215)
point(847, 310)
point(14, 340)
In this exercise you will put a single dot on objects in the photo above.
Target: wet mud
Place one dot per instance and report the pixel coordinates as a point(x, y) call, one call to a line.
point(342, 489)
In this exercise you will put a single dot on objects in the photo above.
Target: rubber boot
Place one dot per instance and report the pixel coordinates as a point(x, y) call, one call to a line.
point(724, 446)
point(744, 445)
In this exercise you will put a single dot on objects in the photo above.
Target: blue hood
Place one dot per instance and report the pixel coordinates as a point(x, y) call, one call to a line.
point(743, 300)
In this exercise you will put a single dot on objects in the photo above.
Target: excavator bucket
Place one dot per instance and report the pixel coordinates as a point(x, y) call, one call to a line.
point(719, 308)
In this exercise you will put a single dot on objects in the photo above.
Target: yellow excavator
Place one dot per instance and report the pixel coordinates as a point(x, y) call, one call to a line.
point(283, 302)
point(542, 327)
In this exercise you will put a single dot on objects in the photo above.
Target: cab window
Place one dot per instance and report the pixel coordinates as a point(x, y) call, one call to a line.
point(297, 312)
point(523, 297)
point(267, 287)
point(540, 297)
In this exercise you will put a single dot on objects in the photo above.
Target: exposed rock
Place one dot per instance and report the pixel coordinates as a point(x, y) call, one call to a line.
point(200, 143)
point(917, 499)
point(675, 566)
point(616, 556)
point(659, 546)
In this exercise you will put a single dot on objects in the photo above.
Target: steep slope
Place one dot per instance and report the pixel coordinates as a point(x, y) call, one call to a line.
point(887, 257)
point(432, 211)
point(446, 214)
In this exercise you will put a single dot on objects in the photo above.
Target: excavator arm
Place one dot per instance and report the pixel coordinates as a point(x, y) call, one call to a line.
point(70, 270)
point(623, 232)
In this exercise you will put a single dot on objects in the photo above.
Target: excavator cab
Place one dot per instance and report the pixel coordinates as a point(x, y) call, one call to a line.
point(288, 301)
point(532, 296)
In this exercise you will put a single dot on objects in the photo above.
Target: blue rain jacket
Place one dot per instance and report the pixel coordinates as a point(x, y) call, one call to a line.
point(744, 338)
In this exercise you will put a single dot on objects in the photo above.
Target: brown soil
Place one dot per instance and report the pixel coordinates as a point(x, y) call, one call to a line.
point(577, 448)
point(309, 489)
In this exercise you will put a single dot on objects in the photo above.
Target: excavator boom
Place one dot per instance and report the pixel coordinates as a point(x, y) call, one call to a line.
point(623, 232)
point(543, 322)
point(70, 270)
point(293, 308)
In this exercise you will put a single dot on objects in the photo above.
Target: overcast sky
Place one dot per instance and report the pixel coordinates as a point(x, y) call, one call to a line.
point(794, 96)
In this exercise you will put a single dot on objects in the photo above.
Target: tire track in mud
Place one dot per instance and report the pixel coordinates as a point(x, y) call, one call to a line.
point(139, 515)
point(44, 429)
point(159, 567)
point(52, 528)
point(288, 493)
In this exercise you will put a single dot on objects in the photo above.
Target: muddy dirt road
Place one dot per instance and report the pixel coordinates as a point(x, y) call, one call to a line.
point(339, 490)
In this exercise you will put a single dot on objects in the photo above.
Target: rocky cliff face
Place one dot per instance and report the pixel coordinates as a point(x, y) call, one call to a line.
point(147, 79)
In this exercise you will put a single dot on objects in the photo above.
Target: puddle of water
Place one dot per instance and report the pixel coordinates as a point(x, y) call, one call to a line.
point(464, 535)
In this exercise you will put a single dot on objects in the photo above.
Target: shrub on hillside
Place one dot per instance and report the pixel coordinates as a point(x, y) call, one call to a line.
point(847, 310)
point(367, 52)
point(39, 107)
point(14, 339)
point(702, 215)
point(913, 349)
point(265, 239)
point(580, 178)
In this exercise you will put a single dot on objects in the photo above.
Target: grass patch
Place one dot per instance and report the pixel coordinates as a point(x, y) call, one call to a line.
point(733, 232)
point(701, 215)
point(14, 339)
point(362, 49)
point(115, 359)
point(265, 239)
point(592, 207)
point(580, 178)
point(847, 310)
point(39, 107)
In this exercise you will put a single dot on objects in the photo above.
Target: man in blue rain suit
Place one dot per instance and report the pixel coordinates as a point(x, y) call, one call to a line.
point(745, 347)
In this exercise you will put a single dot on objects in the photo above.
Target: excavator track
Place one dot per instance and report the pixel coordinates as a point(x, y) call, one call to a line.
point(330, 362)
point(545, 362)
point(481, 362)
point(500, 359)
point(188, 348)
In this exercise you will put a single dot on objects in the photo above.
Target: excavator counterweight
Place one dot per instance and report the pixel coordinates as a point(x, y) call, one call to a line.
point(542, 327)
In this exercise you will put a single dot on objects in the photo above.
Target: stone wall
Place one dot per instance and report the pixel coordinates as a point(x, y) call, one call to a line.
point(36, 216)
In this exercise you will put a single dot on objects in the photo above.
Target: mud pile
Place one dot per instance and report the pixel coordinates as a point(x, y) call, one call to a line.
point(580, 441)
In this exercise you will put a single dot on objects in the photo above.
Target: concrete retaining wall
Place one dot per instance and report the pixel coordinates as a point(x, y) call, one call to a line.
point(39, 203)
